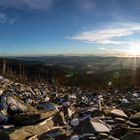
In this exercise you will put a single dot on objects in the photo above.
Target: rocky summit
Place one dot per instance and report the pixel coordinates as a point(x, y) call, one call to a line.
point(40, 111)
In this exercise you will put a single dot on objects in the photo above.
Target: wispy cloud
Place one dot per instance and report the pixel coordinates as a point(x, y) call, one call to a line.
point(102, 48)
point(86, 4)
point(113, 52)
point(107, 35)
point(27, 4)
point(4, 19)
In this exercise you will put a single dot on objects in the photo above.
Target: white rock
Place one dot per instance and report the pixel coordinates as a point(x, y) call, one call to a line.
point(74, 122)
point(125, 101)
point(136, 95)
point(47, 99)
point(8, 126)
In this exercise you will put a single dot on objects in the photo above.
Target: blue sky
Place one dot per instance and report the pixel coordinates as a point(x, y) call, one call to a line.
point(98, 27)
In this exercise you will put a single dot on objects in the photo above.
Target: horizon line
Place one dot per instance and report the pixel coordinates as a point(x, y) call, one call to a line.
point(94, 55)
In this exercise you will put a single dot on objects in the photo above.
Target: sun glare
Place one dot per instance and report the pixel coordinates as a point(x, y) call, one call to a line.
point(134, 50)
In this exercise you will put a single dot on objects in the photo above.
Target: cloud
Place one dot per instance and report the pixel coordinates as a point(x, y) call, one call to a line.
point(107, 35)
point(27, 4)
point(4, 19)
point(102, 48)
point(113, 52)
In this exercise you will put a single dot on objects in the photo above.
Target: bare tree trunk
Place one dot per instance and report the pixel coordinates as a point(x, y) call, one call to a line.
point(4, 67)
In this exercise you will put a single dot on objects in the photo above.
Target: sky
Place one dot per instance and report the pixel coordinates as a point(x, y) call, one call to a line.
point(70, 27)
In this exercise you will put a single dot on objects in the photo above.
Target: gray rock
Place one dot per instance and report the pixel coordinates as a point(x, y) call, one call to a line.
point(131, 124)
point(75, 122)
point(120, 120)
point(46, 106)
point(103, 135)
point(11, 100)
point(100, 127)
point(3, 117)
point(75, 137)
point(59, 119)
point(56, 133)
point(118, 112)
point(112, 138)
point(26, 132)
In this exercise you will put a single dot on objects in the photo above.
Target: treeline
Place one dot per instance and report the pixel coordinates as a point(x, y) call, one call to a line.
point(31, 71)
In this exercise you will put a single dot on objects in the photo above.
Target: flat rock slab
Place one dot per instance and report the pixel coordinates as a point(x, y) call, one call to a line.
point(112, 138)
point(55, 133)
point(131, 124)
point(121, 120)
point(100, 127)
point(118, 112)
point(20, 104)
point(26, 132)
point(31, 117)
point(135, 116)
